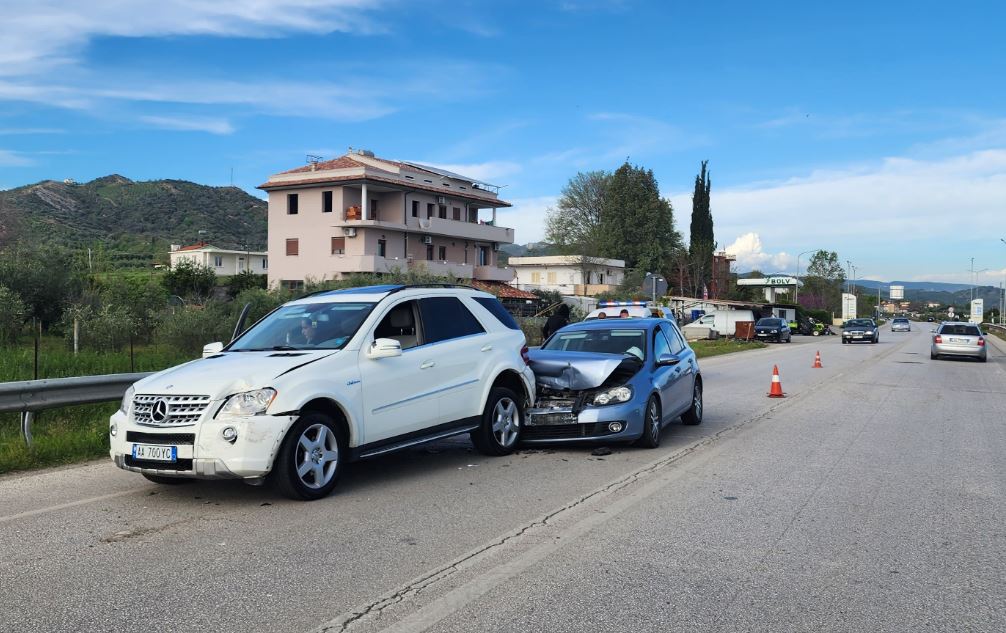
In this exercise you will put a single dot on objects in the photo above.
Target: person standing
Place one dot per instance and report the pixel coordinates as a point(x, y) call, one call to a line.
point(558, 320)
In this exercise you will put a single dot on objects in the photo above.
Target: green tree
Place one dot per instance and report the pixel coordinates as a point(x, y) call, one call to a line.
point(188, 279)
point(822, 285)
point(45, 280)
point(701, 242)
point(637, 225)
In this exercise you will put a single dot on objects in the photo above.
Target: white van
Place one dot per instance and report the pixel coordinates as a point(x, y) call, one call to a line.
point(723, 321)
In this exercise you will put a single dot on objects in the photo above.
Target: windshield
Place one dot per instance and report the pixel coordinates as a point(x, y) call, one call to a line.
point(901, 320)
point(770, 322)
point(860, 323)
point(304, 326)
point(601, 341)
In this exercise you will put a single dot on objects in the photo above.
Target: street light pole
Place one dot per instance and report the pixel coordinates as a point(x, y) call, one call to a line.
point(796, 293)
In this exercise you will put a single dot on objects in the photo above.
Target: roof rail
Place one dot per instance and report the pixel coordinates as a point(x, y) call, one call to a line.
point(430, 285)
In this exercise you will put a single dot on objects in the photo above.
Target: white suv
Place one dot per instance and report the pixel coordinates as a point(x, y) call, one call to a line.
point(332, 377)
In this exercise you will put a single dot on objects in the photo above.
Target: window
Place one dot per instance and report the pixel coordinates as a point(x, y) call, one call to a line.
point(292, 202)
point(293, 246)
point(442, 253)
point(218, 261)
point(445, 318)
point(443, 211)
point(382, 248)
point(536, 278)
point(429, 210)
point(338, 245)
point(265, 264)
point(415, 208)
point(373, 208)
point(429, 252)
point(497, 310)
point(457, 213)
point(660, 345)
point(551, 278)
point(483, 256)
point(674, 338)
point(294, 284)
point(399, 324)
point(326, 201)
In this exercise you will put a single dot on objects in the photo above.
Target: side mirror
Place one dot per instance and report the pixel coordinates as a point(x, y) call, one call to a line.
point(212, 348)
point(667, 360)
point(384, 348)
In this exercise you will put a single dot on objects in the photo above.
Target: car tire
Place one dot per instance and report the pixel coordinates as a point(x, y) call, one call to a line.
point(310, 459)
point(693, 416)
point(499, 431)
point(983, 359)
point(167, 481)
point(933, 356)
point(844, 341)
point(652, 419)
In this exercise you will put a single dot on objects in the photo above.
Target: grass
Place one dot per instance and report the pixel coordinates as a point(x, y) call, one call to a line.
point(71, 434)
point(705, 348)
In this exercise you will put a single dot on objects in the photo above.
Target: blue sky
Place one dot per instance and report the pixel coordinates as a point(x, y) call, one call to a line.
point(877, 130)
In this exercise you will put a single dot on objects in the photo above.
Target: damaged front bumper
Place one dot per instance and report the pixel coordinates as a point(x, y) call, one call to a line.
point(611, 423)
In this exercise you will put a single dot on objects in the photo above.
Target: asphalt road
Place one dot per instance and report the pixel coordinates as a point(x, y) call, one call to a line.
point(870, 499)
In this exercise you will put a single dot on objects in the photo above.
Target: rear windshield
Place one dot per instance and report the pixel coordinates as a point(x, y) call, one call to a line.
point(901, 320)
point(770, 322)
point(961, 330)
point(498, 311)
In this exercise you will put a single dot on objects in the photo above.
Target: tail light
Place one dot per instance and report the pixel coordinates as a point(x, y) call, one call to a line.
point(938, 339)
point(981, 342)
point(523, 354)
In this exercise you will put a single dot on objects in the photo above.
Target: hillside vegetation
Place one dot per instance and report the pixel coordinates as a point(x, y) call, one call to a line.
point(132, 223)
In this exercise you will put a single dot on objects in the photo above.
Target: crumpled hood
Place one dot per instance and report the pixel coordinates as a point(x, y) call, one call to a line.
point(573, 370)
point(227, 373)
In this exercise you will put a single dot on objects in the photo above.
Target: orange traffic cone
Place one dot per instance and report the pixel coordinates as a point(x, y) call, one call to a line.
point(817, 362)
point(776, 390)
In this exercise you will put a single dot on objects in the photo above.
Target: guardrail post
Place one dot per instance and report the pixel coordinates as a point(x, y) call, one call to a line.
point(26, 420)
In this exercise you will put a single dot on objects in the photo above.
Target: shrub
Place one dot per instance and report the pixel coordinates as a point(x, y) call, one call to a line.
point(13, 313)
point(188, 279)
point(107, 329)
point(245, 280)
point(189, 328)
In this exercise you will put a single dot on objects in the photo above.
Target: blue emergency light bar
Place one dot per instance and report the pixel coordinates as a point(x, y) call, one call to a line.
point(614, 304)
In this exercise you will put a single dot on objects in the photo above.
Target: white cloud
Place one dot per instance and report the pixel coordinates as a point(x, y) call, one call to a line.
point(10, 158)
point(11, 131)
point(491, 172)
point(527, 218)
point(195, 124)
point(37, 35)
point(751, 255)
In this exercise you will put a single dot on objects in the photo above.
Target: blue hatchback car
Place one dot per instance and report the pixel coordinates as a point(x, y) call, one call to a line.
point(610, 380)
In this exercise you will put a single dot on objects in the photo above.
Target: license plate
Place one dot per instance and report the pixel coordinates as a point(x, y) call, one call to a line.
point(958, 340)
point(547, 419)
point(154, 453)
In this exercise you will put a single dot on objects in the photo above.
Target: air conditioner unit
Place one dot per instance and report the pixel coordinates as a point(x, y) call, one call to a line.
point(427, 239)
point(349, 231)
point(425, 224)
point(441, 200)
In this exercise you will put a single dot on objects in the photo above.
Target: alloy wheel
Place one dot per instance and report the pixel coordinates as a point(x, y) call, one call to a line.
point(317, 456)
point(506, 422)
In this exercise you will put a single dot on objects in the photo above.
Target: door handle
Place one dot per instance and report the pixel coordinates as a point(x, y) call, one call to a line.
point(486, 348)
point(427, 364)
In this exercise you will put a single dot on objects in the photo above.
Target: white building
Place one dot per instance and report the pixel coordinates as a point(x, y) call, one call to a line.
point(568, 274)
point(219, 260)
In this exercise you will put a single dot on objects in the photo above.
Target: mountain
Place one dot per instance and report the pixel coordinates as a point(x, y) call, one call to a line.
point(937, 292)
point(927, 286)
point(531, 249)
point(131, 221)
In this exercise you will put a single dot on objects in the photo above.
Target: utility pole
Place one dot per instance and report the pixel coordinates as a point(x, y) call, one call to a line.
point(796, 293)
point(972, 283)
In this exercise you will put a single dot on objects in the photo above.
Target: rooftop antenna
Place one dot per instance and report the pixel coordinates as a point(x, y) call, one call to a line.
point(313, 159)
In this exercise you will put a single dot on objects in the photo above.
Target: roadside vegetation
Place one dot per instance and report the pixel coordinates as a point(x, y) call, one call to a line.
point(720, 346)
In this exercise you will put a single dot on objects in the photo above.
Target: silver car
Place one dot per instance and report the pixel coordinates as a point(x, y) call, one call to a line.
point(901, 324)
point(954, 338)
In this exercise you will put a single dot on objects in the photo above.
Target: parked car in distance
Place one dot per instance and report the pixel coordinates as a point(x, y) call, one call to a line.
point(860, 330)
point(328, 378)
point(956, 338)
point(773, 329)
point(609, 381)
point(630, 309)
point(901, 324)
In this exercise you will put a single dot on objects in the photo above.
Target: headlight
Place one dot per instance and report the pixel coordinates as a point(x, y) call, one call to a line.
point(869, 332)
point(773, 331)
point(127, 399)
point(614, 396)
point(248, 403)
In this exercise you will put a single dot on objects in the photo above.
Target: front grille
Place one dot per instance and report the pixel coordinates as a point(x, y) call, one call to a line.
point(181, 464)
point(181, 410)
point(566, 431)
point(161, 438)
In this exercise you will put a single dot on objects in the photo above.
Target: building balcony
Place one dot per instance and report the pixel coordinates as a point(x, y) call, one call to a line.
point(442, 269)
point(494, 273)
point(457, 229)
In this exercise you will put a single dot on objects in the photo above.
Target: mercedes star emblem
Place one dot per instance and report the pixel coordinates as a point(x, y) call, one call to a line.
point(159, 410)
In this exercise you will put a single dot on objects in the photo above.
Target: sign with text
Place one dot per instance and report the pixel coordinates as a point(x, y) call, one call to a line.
point(848, 306)
point(977, 310)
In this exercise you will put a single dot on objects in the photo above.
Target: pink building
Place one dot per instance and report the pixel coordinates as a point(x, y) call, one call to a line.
point(359, 213)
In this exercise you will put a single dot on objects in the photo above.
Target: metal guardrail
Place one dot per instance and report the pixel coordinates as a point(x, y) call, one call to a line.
point(31, 396)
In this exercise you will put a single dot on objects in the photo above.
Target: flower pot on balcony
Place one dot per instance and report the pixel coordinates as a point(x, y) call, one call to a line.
point(353, 213)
